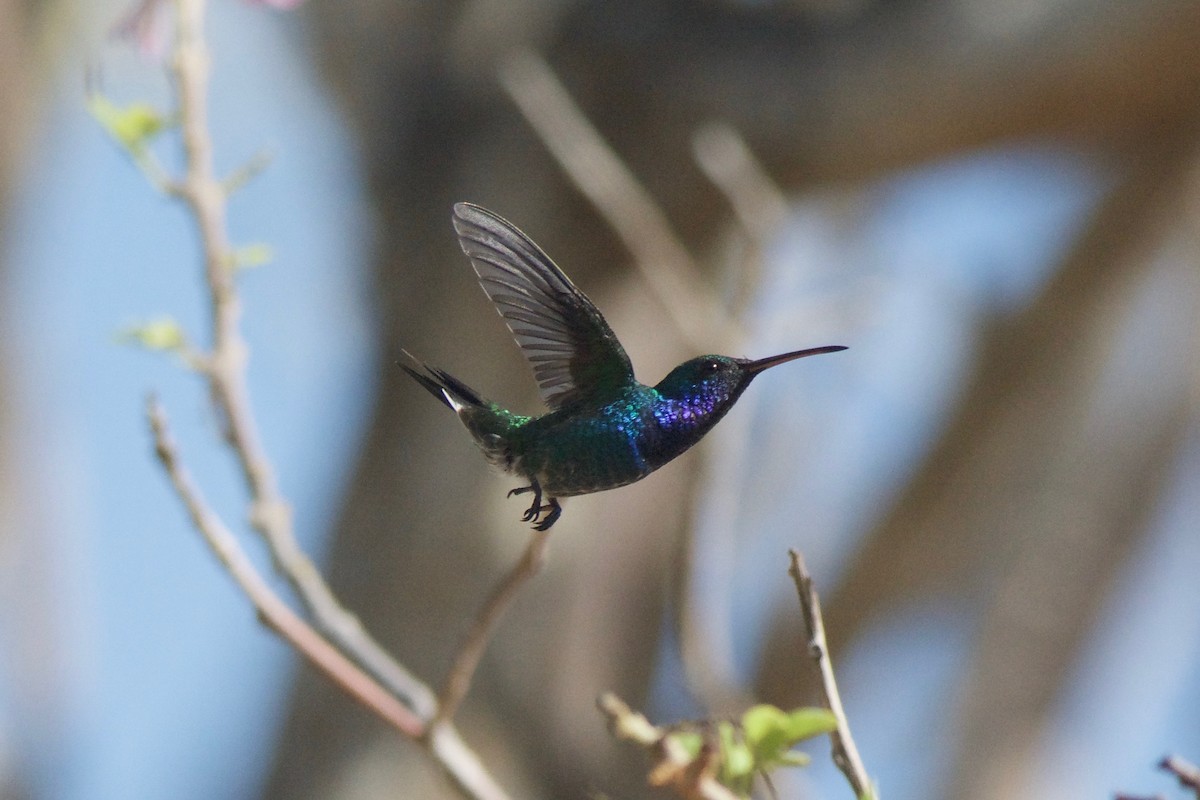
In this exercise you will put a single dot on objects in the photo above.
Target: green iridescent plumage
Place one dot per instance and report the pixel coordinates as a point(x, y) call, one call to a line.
point(604, 429)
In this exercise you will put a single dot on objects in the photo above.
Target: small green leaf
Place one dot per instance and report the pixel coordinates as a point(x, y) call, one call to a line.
point(253, 255)
point(162, 333)
point(805, 723)
point(763, 722)
point(772, 732)
point(132, 126)
point(792, 758)
point(690, 741)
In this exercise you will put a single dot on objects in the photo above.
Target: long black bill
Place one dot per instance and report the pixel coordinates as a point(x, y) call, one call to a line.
point(755, 367)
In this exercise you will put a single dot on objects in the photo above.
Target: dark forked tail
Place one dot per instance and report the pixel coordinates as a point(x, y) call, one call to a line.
point(455, 394)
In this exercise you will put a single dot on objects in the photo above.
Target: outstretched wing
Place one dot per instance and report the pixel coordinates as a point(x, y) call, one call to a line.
point(573, 352)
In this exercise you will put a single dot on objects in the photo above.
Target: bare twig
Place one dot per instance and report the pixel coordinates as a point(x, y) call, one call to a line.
point(692, 778)
point(458, 678)
point(603, 178)
point(758, 203)
point(270, 514)
point(1187, 772)
point(725, 158)
point(845, 752)
point(271, 609)
point(378, 679)
point(461, 764)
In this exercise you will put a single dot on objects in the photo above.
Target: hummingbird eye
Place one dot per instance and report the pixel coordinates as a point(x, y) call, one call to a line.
point(712, 365)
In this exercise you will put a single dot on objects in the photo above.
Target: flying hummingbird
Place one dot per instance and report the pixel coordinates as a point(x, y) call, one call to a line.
point(604, 429)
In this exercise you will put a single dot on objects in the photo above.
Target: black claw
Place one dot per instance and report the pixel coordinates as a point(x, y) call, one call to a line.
point(555, 512)
point(535, 508)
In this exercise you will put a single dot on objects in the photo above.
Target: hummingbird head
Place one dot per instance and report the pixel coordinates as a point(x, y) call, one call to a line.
point(712, 378)
point(720, 380)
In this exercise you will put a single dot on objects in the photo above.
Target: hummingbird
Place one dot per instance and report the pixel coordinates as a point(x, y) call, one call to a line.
point(604, 428)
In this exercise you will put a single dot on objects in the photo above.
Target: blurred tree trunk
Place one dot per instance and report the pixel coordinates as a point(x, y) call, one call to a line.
point(820, 98)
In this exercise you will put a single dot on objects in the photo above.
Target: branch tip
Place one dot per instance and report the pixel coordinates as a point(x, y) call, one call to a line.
point(844, 751)
point(1187, 773)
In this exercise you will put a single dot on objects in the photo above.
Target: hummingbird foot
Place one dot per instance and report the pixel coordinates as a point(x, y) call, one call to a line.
point(555, 512)
point(536, 507)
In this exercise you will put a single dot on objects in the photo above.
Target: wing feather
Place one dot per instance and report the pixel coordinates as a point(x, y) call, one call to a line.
point(574, 354)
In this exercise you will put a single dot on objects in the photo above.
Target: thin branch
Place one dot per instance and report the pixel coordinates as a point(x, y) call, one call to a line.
point(603, 178)
point(845, 752)
point(271, 609)
point(270, 514)
point(461, 764)
point(458, 678)
point(1187, 772)
point(724, 157)
point(757, 202)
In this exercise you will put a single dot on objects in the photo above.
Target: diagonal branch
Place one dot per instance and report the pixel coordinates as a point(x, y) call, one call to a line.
point(443, 743)
point(1186, 772)
point(758, 204)
point(271, 609)
point(458, 678)
point(598, 172)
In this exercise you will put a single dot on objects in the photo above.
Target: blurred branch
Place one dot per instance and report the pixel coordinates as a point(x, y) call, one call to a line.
point(758, 203)
point(845, 752)
point(600, 175)
point(759, 206)
point(458, 679)
point(1187, 772)
point(727, 161)
point(271, 609)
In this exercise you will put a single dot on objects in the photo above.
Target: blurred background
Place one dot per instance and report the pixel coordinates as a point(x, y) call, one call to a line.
point(994, 203)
